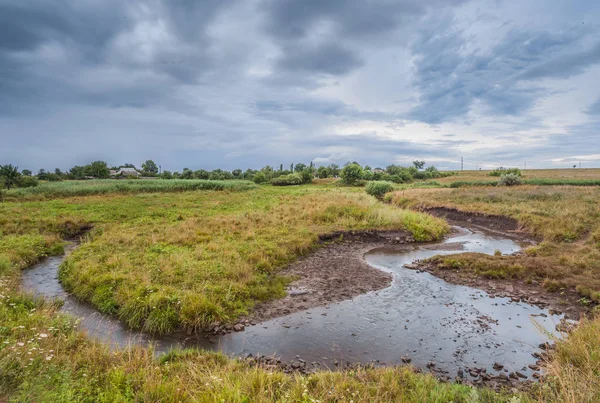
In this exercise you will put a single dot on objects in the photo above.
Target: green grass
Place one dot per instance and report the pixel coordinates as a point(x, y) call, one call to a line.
point(567, 220)
point(43, 358)
point(51, 190)
point(163, 262)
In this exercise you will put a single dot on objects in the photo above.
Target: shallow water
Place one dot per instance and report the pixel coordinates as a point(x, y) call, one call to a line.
point(419, 316)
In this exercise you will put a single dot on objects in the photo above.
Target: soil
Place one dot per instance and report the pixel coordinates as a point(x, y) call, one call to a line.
point(334, 273)
point(566, 302)
point(506, 226)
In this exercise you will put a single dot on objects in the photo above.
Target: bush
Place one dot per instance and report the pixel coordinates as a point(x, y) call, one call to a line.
point(379, 188)
point(287, 180)
point(259, 177)
point(351, 174)
point(505, 171)
point(306, 175)
point(27, 182)
point(510, 180)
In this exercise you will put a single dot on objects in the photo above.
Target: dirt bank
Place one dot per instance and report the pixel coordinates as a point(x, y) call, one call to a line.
point(335, 272)
point(566, 302)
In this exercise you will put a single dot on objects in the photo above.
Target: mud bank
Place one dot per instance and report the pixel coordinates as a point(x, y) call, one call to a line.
point(335, 272)
point(359, 301)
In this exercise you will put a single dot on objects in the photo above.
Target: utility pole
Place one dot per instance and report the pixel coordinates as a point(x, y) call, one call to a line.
point(525, 169)
point(579, 164)
point(461, 164)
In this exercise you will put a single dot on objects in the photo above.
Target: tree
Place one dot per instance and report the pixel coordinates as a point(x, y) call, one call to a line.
point(97, 169)
point(201, 174)
point(26, 172)
point(42, 175)
point(186, 174)
point(150, 166)
point(237, 173)
point(77, 172)
point(166, 175)
point(419, 164)
point(9, 175)
point(259, 177)
point(299, 167)
point(334, 170)
point(280, 167)
point(352, 173)
point(322, 172)
point(292, 167)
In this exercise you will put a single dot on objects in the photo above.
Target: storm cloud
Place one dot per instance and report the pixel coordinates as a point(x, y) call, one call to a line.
point(237, 84)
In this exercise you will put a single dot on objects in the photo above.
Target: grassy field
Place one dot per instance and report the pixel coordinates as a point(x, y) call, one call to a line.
point(163, 262)
point(53, 190)
point(167, 260)
point(567, 219)
point(588, 174)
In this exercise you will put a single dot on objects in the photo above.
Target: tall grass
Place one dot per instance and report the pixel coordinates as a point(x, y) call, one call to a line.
point(51, 190)
point(163, 262)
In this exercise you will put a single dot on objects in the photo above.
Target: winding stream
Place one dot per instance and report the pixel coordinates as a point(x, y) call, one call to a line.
point(419, 316)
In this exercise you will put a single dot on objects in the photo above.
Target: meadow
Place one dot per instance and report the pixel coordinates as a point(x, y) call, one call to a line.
point(52, 190)
point(161, 261)
point(206, 256)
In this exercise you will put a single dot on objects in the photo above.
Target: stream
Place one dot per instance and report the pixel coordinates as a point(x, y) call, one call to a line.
point(420, 318)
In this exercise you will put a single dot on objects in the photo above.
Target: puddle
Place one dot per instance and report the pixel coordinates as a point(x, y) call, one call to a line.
point(419, 316)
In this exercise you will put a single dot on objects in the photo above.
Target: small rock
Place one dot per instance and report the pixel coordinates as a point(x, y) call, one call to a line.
point(406, 359)
point(498, 366)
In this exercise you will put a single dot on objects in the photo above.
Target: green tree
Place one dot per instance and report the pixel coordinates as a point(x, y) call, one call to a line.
point(77, 172)
point(259, 177)
point(201, 174)
point(97, 169)
point(186, 174)
point(300, 167)
point(166, 175)
point(334, 170)
point(26, 172)
point(419, 164)
point(322, 172)
point(292, 167)
point(280, 167)
point(237, 173)
point(352, 173)
point(9, 175)
point(150, 166)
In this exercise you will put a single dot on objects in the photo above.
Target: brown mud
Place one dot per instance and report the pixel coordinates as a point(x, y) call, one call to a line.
point(566, 302)
point(334, 273)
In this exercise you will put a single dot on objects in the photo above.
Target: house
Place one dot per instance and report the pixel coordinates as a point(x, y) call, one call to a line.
point(127, 172)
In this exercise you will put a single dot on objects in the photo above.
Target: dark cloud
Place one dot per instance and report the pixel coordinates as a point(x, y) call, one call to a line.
point(451, 79)
point(245, 83)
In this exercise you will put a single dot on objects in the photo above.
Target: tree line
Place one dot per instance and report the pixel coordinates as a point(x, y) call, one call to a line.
point(298, 173)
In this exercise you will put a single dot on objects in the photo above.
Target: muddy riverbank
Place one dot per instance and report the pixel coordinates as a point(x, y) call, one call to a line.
point(335, 272)
point(360, 301)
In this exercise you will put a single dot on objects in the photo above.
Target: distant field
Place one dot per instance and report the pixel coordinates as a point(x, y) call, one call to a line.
point(568, 174)
point(51, 190)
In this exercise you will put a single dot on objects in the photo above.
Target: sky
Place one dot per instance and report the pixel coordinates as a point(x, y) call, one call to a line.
point(242, 84)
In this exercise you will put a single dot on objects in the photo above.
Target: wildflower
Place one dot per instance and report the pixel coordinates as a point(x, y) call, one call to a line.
point(48, 357)
point(20, 344)
point(43, 335)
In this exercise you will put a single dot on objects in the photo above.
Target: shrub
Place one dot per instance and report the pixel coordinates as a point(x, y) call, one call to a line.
point(27, 182)
point(306, 175)
point(510, 180)
point(505, 171)
point(351, 174)
point(379, 188)
point(287, 180)
point(259, 177)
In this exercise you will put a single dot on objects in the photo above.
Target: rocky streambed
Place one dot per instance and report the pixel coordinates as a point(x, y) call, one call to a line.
point(454, 331)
